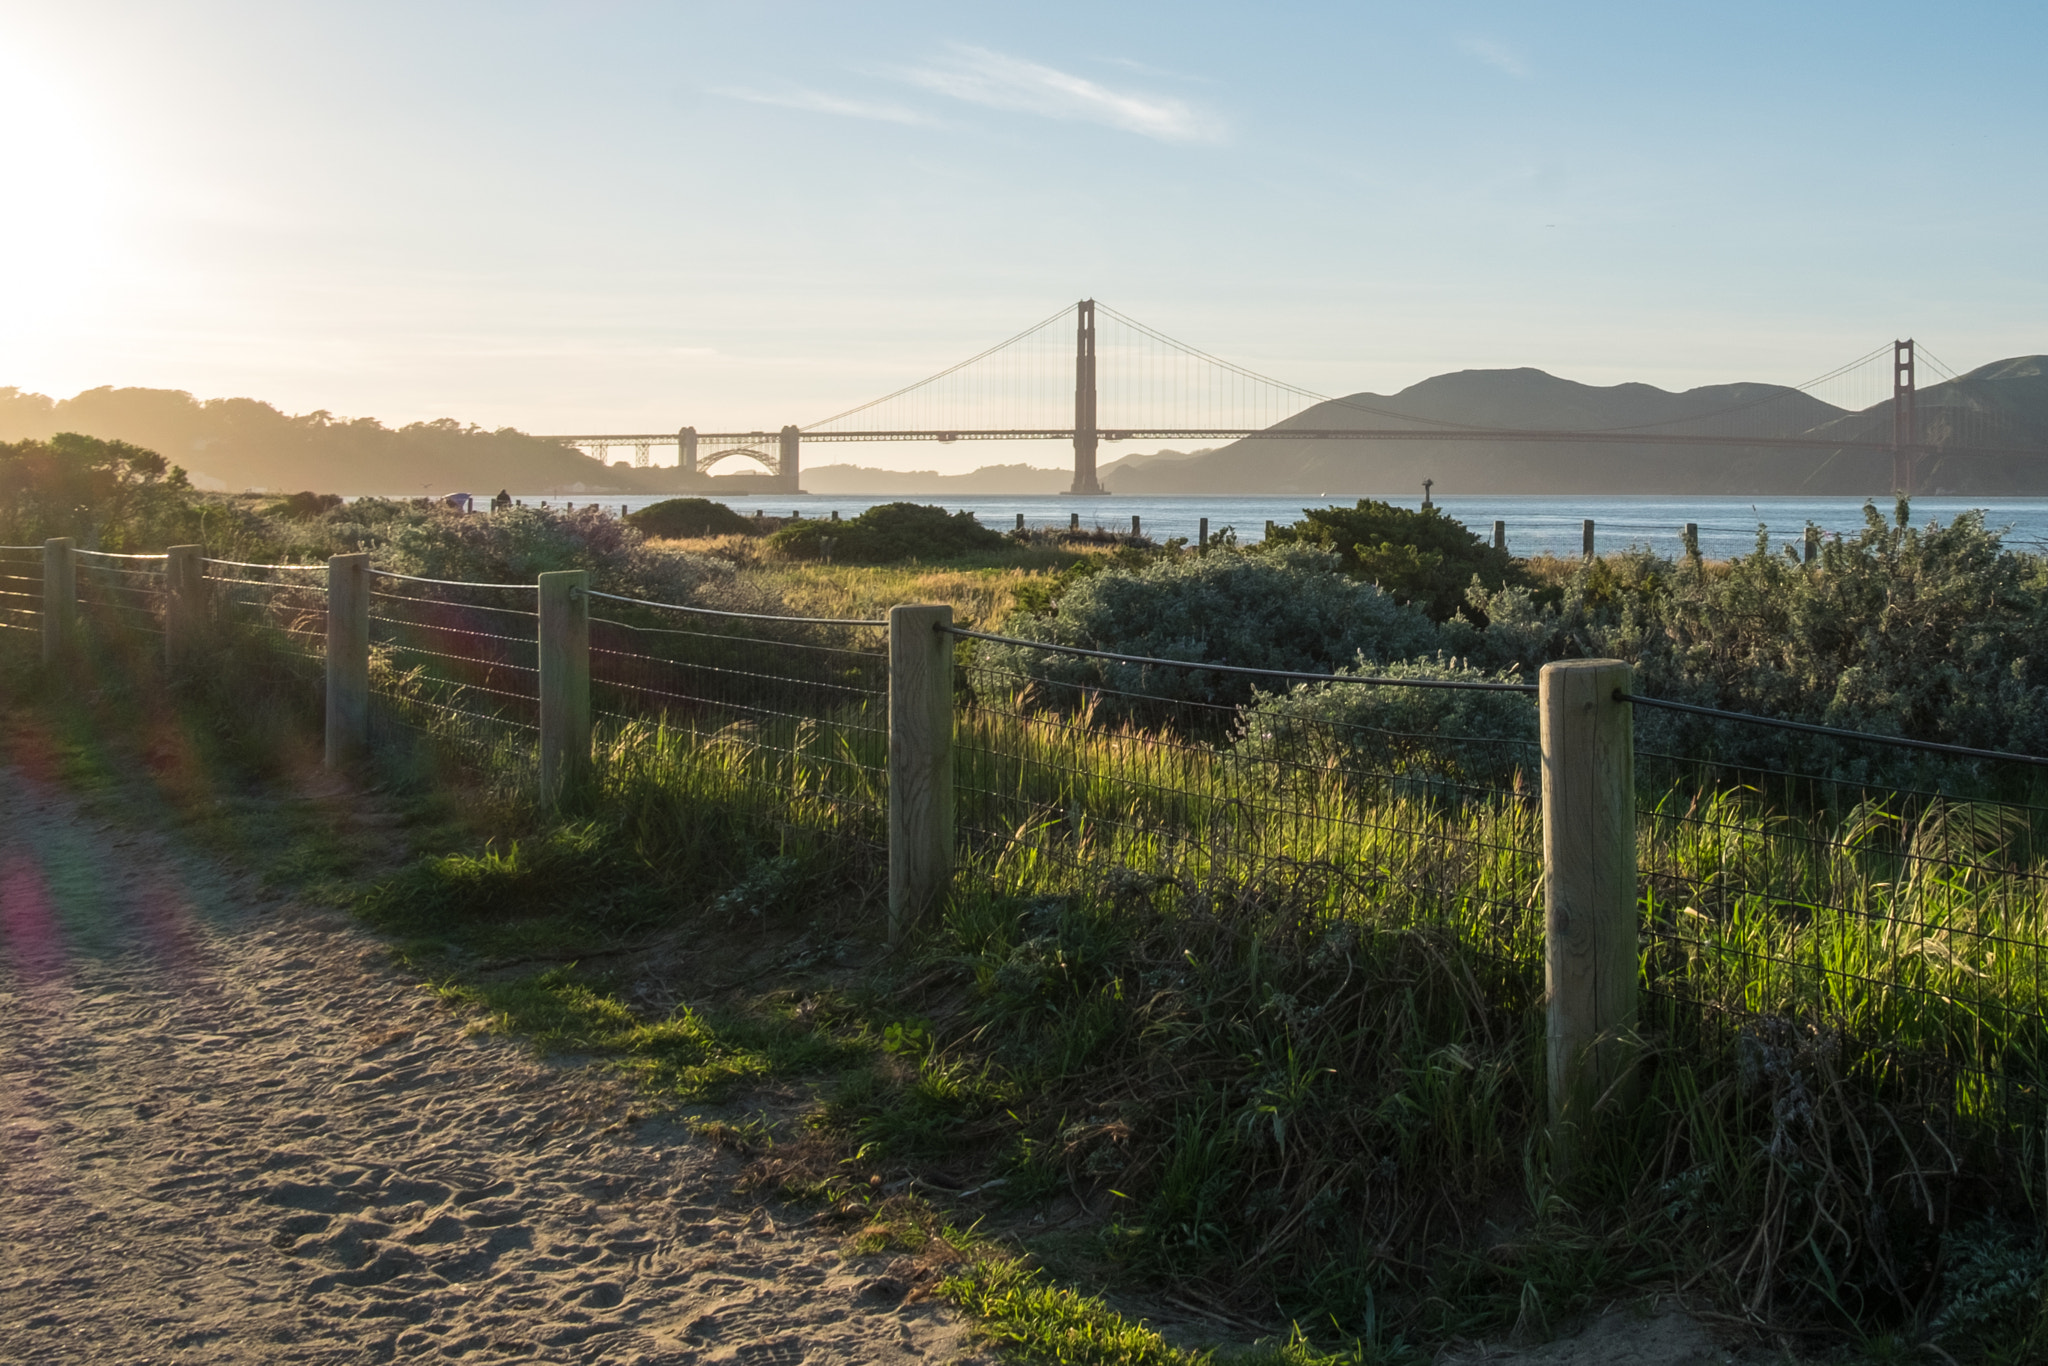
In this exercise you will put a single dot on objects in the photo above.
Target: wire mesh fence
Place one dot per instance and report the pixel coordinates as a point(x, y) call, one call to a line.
point(282, 606)
point(1901, 928)
point(460, 662)
point(1314, 798)
point(1893, 908)
point(120, 597)
point(21, 588)
point(785, 714)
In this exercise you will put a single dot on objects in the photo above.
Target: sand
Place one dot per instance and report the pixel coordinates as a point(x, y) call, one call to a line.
point(230, 1132)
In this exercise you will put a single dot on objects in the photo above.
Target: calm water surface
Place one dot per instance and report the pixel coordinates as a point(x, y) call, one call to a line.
point(1535, 524)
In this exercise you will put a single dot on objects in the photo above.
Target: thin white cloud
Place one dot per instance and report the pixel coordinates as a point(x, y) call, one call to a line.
point(818, 102)
point(997, 81)
point(1495, 54)
point(1144, 70)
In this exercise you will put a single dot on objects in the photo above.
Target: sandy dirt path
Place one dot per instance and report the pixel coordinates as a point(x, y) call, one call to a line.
point(230, 1133)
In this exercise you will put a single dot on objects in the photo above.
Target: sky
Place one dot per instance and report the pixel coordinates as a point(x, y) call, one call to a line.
point(615, 216)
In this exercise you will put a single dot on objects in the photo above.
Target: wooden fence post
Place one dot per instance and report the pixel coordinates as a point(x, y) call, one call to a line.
point(1500, 534)
point(60, 599)
point(184, 605)
point(348, 659)
point(920, 763)
point(564, 684)
point(1202, 538)
point(1591, 960)
point(1691, 540)
point(1587, 531)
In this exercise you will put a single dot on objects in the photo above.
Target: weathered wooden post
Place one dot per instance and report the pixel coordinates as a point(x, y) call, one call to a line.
point(1073, 521)
point(920, 762)
point(1134, 524)
point(1202, 538)
point(1587, 532)
point(1692, 541)
point(184, 604)
point(348, 659)
point(1591, 962)
point(1812, 542)
point(1500, 535)
point(60, 599)
point(1020, 521)
point(564, 683)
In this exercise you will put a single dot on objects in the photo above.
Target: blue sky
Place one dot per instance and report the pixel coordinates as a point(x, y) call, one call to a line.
point(626, 216)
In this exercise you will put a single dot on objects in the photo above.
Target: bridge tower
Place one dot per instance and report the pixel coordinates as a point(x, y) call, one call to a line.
point(686, 450)
point(788, 462)
point(1905, 418)
point(1084, 400)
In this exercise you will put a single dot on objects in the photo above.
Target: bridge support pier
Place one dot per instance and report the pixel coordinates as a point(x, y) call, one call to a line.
point(788, 464)
point(1086, 438)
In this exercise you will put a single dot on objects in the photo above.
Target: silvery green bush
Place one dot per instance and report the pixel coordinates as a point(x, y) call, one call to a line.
point(1415, 741)
point(1289, 608)
point(1934, 632)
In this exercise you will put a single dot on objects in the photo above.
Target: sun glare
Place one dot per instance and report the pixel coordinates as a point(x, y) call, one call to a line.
point(58, 243)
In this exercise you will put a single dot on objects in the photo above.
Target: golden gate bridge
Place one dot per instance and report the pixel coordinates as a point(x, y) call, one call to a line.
point(1120, 380)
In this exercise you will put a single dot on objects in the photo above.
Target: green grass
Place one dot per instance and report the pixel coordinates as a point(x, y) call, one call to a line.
point(1277, 1028)
point(684, 1056)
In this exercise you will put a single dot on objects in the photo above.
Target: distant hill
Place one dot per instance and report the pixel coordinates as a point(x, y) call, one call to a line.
point(238, 443)
point(1532, 399)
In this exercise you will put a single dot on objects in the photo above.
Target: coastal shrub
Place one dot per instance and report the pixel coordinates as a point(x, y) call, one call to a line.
point(673, 518)
point(1289, 608)
point(1421, 557)
point(1934, 632)
point(304, 504)
point(1418, 740)
point(889, 532)
point(517, 544)
point(106, 495)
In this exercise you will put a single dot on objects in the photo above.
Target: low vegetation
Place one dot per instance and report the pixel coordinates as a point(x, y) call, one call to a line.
point(675, 518)
point(1237, 998)
point(888, 533)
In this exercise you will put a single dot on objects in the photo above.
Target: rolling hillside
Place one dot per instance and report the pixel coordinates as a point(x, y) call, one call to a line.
point(1527, 398)
point(238, 443)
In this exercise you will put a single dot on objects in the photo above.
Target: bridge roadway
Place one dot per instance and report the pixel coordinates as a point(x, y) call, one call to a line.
point(1506, 434)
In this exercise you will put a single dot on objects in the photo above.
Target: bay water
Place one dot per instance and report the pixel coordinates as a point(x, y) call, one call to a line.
point(1536, 524)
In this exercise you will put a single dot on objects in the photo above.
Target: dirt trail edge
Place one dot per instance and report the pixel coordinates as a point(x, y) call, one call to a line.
point(230, 1133)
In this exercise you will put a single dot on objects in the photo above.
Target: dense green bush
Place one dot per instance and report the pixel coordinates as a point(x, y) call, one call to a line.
point(1421, 557)
point(107, 495)
point(304, 504)
point(517, 544)
point(1934, 632)
point(889, 532)
point(1422, 741)
point(678, 517)
point(1289, 608)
